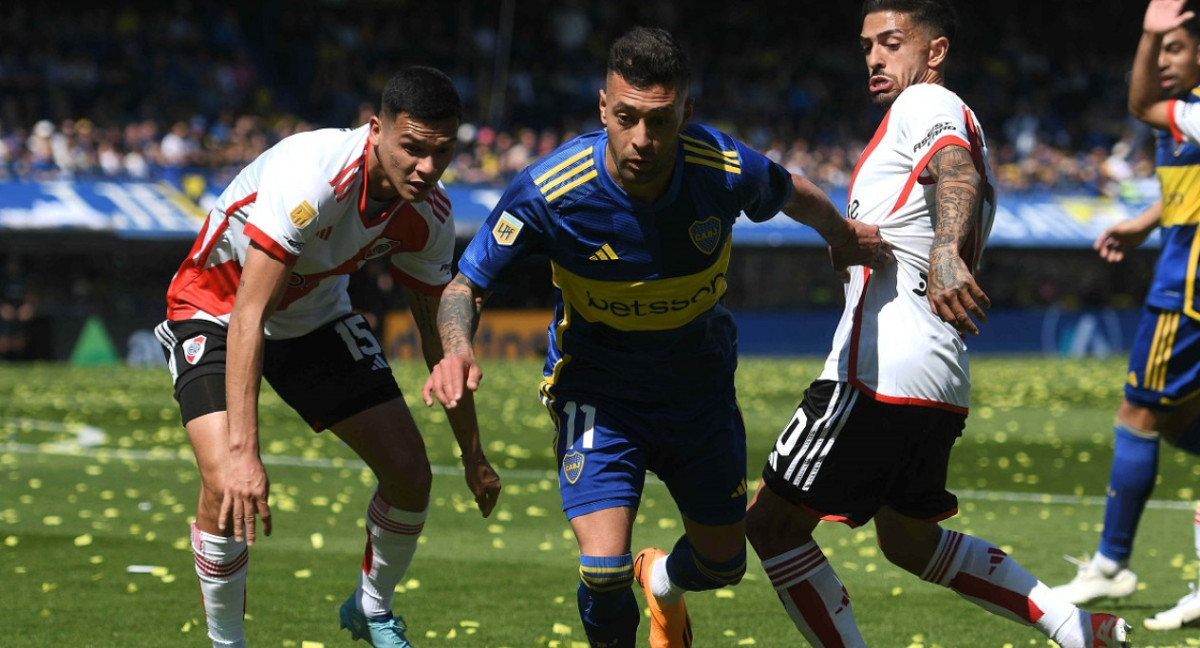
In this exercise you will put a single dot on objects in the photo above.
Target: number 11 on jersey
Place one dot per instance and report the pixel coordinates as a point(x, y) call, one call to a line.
point(589, 423)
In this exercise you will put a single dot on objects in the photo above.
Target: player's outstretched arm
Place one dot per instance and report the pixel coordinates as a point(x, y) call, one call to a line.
point(850, 242)
point(1145, 94)
point(953, 294)
point(482, 479)
point(1127, 235)
point(247, 488)
point(457, 372)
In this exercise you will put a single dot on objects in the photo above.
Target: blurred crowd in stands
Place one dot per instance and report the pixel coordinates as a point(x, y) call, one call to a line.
point(167, 90)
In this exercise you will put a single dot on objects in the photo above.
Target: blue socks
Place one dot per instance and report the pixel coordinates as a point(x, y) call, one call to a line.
point(609, 612)
point(694, 573)
point(1130, 482)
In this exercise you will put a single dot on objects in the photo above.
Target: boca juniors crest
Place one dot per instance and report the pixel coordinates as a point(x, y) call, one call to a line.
point(573, 466)
point(706, 234)
point(194, 348)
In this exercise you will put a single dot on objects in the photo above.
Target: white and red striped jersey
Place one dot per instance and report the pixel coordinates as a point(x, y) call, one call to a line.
point(304, 201)
point(889, 343)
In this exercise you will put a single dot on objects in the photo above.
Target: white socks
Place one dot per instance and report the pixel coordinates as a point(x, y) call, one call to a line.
point(814, 597)
point(665, 590)
point(392, 536)
point(980, 572)
point(221, 565)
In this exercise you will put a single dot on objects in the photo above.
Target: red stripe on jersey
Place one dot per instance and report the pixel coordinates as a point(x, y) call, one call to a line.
point(269, 245)
point(241, 203)
point(878, 137)
point(1176, 134)
point(416, 284)
point(1020, 605)
point(852, 368)
point(198, 289)
point(920, 167)
point(808, 601)
point(903, 400)
point(440, 204)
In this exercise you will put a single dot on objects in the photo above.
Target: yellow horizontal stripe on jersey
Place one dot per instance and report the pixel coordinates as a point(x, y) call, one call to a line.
point(649, 305)
point(708, 153)
point(724, 166)
point(1181, 195)
point(571, 185)
point(708, 146)
point(562, 165)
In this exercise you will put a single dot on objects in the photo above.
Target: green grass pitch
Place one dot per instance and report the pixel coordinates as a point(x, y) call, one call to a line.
point(96, 477)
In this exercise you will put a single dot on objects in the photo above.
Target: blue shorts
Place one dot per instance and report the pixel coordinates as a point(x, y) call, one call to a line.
point(1164, 365)
point(605, 446)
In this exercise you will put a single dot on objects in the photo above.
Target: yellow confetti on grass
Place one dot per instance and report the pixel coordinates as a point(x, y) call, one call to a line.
point(748, 641)
point(303, 573)
point(52, 520)
point(11, 541)
point(469, 624)
point(311, 644)
point(561, 629)
point(317, 540)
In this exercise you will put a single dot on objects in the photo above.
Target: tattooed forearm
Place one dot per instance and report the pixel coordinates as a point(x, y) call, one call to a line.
point(958, 202)
point(458, 315)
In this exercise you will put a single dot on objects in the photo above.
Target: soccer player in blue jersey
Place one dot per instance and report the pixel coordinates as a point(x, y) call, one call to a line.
point(637, 221)
point(1163, 380)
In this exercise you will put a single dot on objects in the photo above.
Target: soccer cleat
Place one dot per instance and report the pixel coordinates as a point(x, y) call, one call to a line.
point(1185, 612)
point(380, 632)
point(1090, 583)
point(670, 626)
point(1109, 631)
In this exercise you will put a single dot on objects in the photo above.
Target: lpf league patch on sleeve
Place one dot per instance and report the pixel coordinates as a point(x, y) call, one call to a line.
point(303, 214)
point(507, 228)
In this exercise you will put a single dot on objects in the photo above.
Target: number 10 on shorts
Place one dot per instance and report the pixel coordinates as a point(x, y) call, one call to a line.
point(572, 409)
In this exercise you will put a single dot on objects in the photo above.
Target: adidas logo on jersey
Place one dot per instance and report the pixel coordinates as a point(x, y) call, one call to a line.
point(380, 363)
point(605, 253)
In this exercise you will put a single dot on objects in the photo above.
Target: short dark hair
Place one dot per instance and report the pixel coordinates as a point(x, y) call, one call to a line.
point(1192, 26)
point(423, 92)
point(649, 56)
point(937, 15)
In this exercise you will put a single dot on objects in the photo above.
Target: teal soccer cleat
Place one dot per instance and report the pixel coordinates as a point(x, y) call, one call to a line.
point(380, 632)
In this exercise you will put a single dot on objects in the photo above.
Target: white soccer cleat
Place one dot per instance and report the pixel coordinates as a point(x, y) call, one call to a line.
point(1185, 612)
point(1090, 583)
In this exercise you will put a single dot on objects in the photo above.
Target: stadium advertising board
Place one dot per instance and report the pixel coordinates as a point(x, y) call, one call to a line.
point(157, 210)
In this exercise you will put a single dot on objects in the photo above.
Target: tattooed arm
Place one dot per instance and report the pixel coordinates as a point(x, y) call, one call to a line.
point(953, 294)
point(481, 478)
point(458, 314)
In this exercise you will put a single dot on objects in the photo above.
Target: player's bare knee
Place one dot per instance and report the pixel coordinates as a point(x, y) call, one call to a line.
point(412, 477)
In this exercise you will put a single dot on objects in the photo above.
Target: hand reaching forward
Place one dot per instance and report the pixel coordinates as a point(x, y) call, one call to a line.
point(864, 246)
point(246, 492)
point(1119, 239)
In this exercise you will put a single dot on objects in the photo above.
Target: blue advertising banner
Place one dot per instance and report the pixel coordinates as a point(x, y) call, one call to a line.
point(158, 210)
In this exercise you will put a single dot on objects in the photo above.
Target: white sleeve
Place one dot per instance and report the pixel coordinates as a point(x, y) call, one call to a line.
point(292, 196)
point(930, 118)
point(428, 270)
point(1184, 120)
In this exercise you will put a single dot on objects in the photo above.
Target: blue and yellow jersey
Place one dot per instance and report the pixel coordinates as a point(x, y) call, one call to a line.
point(1174, 286)
point(640, 287)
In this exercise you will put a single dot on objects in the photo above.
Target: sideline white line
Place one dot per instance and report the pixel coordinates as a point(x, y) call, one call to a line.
point(184, 454)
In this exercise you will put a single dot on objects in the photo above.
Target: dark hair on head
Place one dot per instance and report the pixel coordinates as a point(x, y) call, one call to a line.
point(937, 15)
point(1192, 25)
point(649, 56)
point(423, 93)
